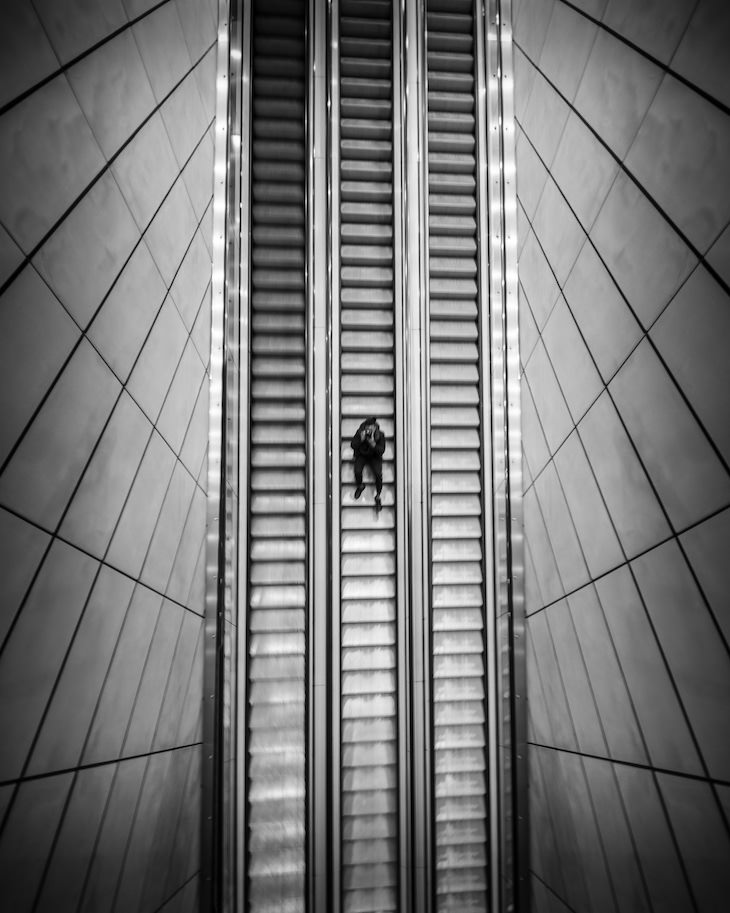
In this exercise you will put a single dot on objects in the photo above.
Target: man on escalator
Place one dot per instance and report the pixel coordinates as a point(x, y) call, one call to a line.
point(368, 445)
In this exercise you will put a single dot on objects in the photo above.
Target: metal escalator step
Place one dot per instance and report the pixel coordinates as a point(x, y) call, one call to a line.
point(356, 612)
point(277, 480)
point(453, 246)
point(452, 60)
point(286, 279)
point(282, 525)
point(460, 550)
point(274, 620)
point(452, 21)
point(366, 362)
point(362, 128)
point(458, 184)
point(355, 169)
point(278, 345)
point(356, 46)
point(269, 366)
point(278, 300)
point(277, 149)
point(455, 482)
point(451, 81)
point(363, 87)
point(353, 25)
point(375, 9)
point(368, 319)
point(272, 322)
point(366, 254)
point(462, 102)
point(373, 150)
point(365, 107)
point(286, 236)
point(275, 170)
point(281, 457)
point(454, 417)
point(276, 128)
point(451, 163)
point(366, 68)
point(367, 297)
point(366, 213)
point(277, 214)
point(275, 412)
point(454, 395)
point(281, 87)
point(453, 269)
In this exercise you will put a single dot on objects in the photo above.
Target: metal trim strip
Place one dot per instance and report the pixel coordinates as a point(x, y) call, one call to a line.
point(333, 399)
point(507, 459)
point(219, 811)
point(319, 548)
point(515, 535)
point(486, 407)
point(402, 469)
point(417, 402)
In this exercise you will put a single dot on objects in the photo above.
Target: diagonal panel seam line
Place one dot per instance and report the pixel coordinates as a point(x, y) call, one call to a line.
point(553, 891)
point(675, 228)
point(627, 563)
point(97, 573)
point(645, 332)
point(676, 533)
point(179, 778)
point(640, 554)
point(666, 67)
point(103, 562)
point(27, 258)
point(178, 890)
point(55, 534)
point(652, 768)
point(142, 344)
point(63, 67)
point(629, 566)
point(47, 774)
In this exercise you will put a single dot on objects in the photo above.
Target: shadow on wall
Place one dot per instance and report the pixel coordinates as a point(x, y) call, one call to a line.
point(106, 163)
point(623, 139)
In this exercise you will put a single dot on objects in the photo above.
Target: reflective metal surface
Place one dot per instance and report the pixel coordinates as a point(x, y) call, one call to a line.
point(219, 709)
point(506, 443)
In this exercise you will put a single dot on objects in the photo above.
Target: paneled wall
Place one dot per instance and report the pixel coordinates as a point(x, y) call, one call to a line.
point(106, 165)
point(623, 144)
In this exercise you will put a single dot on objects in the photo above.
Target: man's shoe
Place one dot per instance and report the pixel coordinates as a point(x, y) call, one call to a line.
point(378, 505)
point(359, 490)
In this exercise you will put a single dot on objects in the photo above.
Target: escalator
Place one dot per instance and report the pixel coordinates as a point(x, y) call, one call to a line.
point(368, 649)
point(458, 657)
point(275, 788)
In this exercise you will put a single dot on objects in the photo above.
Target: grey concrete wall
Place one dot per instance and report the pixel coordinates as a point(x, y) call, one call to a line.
point(623, 146)
point(106, 160)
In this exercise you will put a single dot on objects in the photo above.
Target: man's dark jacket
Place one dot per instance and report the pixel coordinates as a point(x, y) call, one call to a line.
point(362, 447)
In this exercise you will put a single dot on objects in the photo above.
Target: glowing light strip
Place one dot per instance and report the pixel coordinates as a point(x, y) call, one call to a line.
point(215, 419)
point(506, 456)
point(335, 425)
point(417, 425)
point(221, 810)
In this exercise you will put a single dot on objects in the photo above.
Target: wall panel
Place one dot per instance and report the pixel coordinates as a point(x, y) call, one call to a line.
point(106, 161)
point(622, 129)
